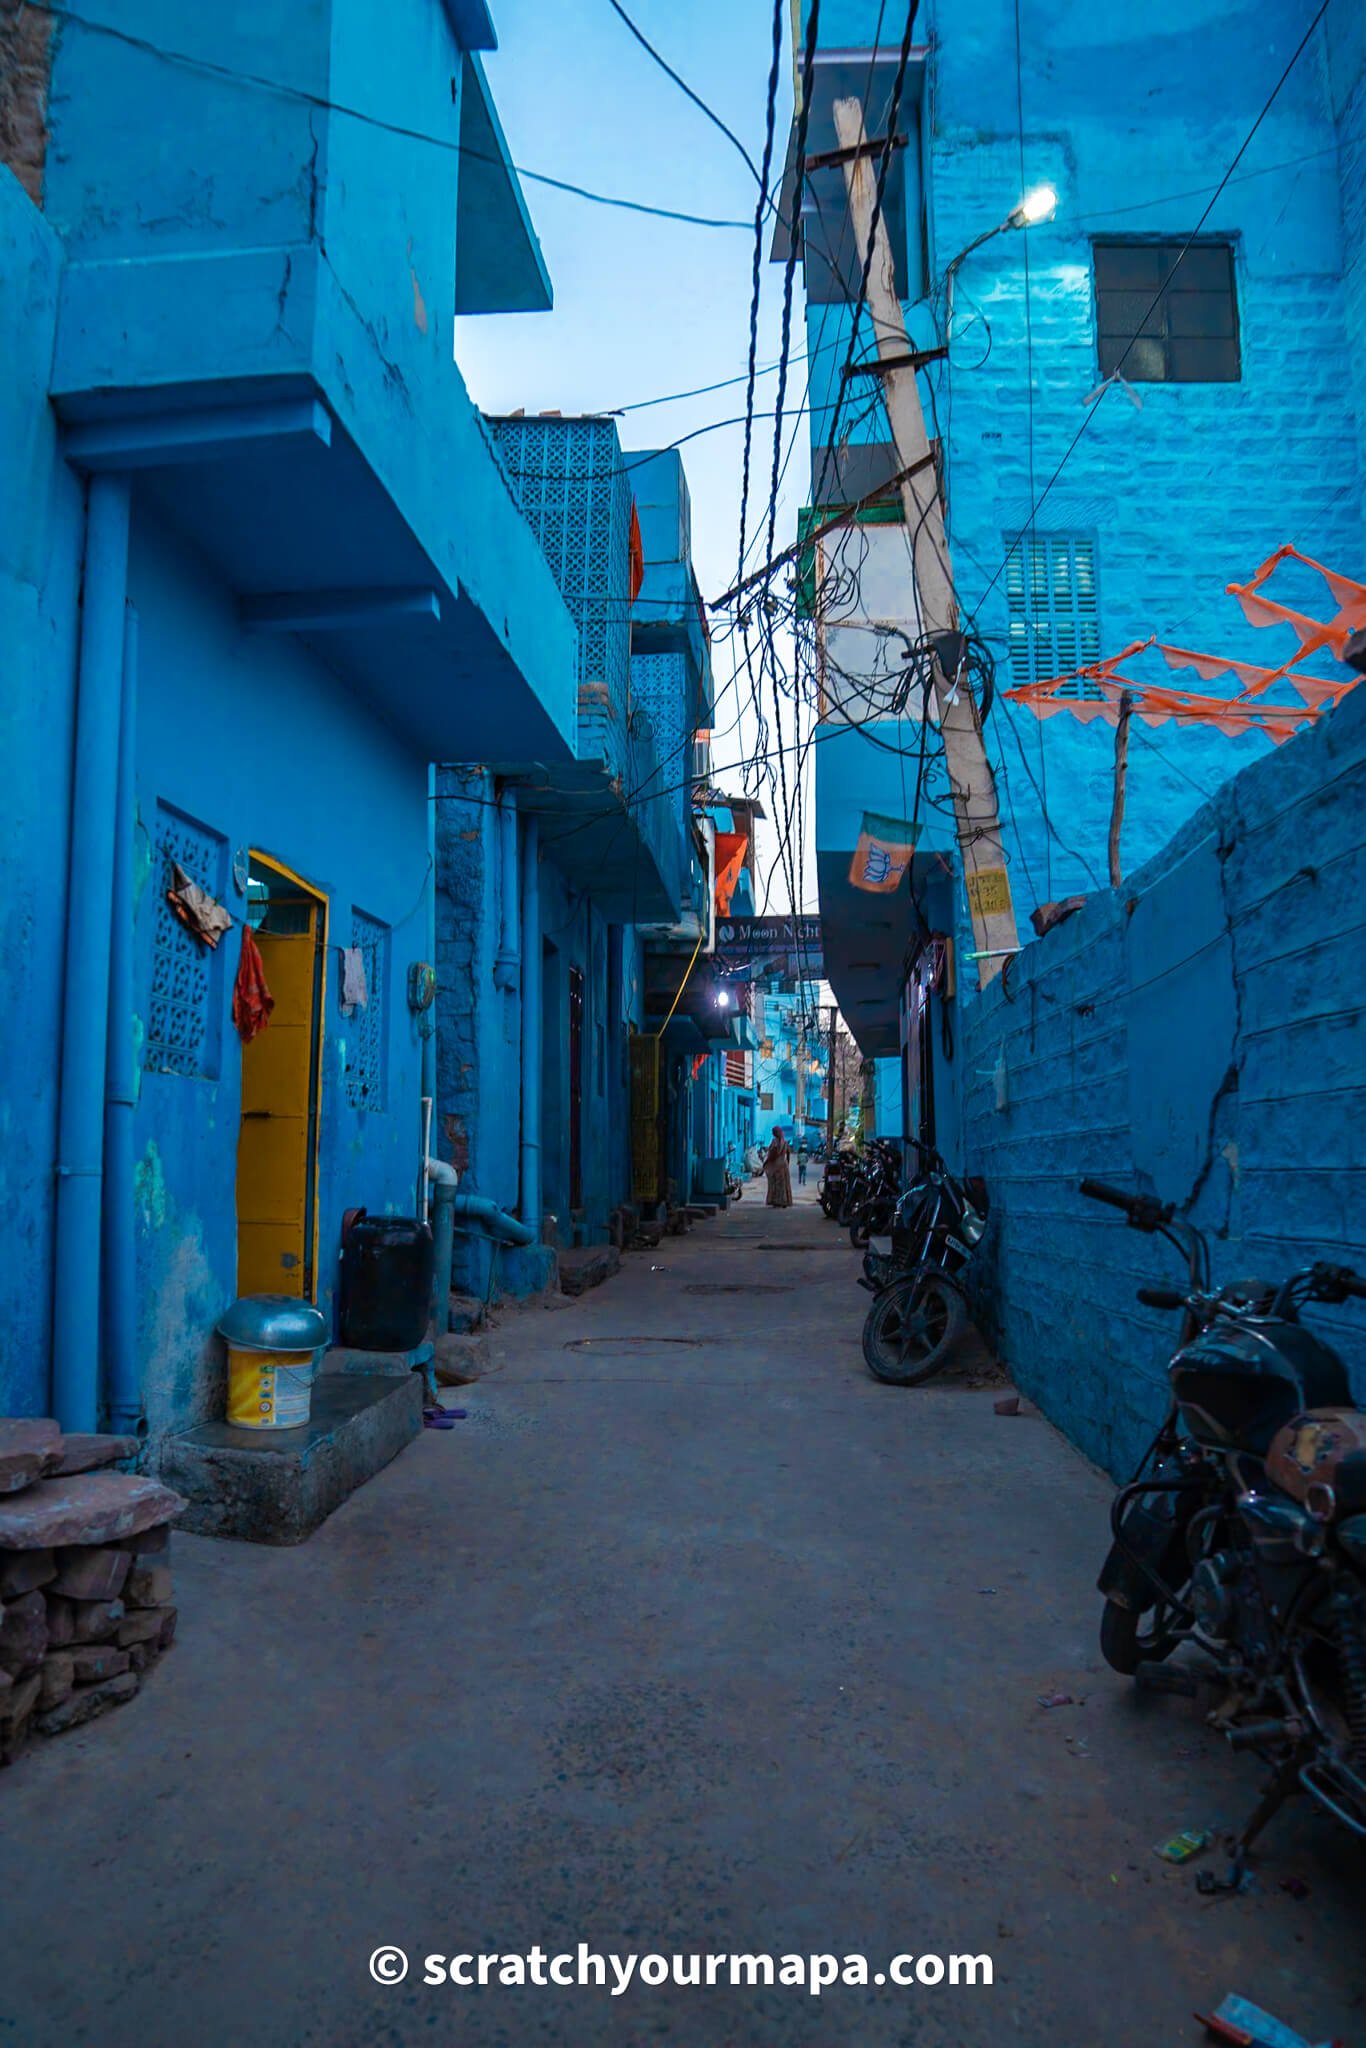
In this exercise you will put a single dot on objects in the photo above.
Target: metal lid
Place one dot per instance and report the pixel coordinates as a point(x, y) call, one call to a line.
point(273, 1322)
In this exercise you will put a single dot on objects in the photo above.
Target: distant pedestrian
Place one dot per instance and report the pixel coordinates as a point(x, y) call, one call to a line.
point(778, 1172)
point(801, 1166)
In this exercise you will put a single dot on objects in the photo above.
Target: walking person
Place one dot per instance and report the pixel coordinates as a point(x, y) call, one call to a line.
point(801, 1165)
point(778, 1172)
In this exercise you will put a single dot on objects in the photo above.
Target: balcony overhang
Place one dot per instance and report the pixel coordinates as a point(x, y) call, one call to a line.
point(277, 497)
point(499, 267)
point(600, 843)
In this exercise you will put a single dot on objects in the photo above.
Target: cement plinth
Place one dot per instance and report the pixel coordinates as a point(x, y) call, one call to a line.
point(277, 1486)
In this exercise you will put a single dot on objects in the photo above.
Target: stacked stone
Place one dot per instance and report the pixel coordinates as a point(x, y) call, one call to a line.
point(85, 1580)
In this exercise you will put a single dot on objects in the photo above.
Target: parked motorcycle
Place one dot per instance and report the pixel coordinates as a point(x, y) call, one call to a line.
point(919, 1310)
point(869, 1198)
point(830, 1188)
point(1243, 1532)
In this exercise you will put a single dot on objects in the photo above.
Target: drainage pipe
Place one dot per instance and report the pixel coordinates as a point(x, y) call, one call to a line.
point(443, 1180)
point(505, 967)
point(76, 1264)
point(123, 1390)
point(531, 1025)
point(483, 1211)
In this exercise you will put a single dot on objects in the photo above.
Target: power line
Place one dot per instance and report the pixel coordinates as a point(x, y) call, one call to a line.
point(696, 98)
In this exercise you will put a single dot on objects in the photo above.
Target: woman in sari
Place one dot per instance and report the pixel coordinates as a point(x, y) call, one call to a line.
point(778, 1173)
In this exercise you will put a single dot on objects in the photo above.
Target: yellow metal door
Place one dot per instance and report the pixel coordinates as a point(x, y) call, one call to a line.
point(276, 1143)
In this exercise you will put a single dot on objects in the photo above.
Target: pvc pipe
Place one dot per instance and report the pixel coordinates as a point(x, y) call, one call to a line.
point(85, 997)
point(123, 1390)
point(484, 1211)
point(443, 1243)
point(505, 967)
point(426, 1020)
point(531, 1025)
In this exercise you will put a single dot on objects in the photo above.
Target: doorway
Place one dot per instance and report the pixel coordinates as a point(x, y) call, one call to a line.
point(575, 1089)
point(277, 1143)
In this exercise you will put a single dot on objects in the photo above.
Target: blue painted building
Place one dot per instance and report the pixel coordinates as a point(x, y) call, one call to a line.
point(791, 1063)
point(561, 868)
point(259, 565)
point(1079, 520)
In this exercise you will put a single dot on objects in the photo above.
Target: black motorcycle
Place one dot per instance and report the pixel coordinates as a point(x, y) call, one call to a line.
point(870, 1197)
point(1243, 1532)
point(919, 1311)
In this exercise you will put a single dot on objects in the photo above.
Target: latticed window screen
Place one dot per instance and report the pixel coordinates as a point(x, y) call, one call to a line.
point(568, 477)
point(1054, 610)
point(183, 1027)
point(365, 1034)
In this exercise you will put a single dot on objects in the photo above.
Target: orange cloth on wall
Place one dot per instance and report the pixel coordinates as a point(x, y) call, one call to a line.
point(732, 850)
point(252, 1001)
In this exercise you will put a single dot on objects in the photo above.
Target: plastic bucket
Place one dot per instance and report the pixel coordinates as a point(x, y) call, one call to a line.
point(269, 1389)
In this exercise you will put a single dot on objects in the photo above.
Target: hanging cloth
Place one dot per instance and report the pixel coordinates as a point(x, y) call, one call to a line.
point(201, 916)
point(252, 1001)
point(355, 993)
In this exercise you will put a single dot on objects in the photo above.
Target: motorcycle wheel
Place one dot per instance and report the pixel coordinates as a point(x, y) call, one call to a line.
point(911, 1329)
point(859, 1234)
point(1128, 1639)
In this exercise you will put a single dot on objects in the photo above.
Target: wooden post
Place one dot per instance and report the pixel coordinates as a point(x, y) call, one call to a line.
point(1126, 712)
point(970, 779)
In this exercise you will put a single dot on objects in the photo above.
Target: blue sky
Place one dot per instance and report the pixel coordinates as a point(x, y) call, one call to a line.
point(645, 307)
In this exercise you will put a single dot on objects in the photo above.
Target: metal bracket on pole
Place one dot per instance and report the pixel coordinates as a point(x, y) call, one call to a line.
point(914, 359)
point(870, 146)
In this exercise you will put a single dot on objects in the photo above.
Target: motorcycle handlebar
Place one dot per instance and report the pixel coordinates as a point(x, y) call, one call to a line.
point(1161, 1297)
point(1144, 1212)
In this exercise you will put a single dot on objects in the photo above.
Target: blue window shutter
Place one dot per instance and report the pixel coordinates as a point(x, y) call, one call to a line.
point(1053, 606)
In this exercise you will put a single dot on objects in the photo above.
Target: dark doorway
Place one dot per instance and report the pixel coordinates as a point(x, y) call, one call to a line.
point(575, 1088)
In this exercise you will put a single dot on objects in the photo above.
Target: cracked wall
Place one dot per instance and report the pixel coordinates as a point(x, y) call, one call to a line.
point(1199, 1033)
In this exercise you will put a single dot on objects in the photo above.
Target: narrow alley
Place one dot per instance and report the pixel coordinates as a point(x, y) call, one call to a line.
point(690, 1636)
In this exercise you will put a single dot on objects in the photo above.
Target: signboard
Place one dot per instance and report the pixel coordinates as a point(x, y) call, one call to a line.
point(789, 947)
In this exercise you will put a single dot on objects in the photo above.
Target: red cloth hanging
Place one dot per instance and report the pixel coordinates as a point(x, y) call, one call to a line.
point(252, 1001)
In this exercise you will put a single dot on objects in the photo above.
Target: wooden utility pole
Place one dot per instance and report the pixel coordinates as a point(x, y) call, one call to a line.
point(970, 779)
point(1126, 712)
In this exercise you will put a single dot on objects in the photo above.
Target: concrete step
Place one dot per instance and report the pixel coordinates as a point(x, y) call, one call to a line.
point(588, 1265)
point(279, 1485)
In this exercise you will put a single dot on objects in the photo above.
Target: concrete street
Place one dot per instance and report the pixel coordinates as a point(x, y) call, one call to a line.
point(691, 1636)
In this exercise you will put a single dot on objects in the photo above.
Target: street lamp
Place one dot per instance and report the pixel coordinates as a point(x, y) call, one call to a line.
point(1039, 204)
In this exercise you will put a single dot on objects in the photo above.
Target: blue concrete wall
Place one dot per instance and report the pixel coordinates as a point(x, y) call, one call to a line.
point(223, 232)
point(1198, 1033)
point(478, 1024)
point(41, 518)
point(1198, 487)
point(1195, 488)
point(263, 753)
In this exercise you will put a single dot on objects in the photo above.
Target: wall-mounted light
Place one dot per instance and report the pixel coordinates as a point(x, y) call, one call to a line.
point(723, 999)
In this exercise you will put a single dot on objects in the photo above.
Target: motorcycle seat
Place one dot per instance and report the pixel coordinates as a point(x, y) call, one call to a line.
point(1322, 1447)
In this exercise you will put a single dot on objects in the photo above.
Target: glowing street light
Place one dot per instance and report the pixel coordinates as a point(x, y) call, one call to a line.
point(1038, 204)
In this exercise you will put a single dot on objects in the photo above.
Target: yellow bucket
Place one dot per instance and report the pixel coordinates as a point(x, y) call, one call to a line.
point(269, 1389)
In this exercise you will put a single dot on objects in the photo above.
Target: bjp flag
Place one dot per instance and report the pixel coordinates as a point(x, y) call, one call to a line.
point(883, 853)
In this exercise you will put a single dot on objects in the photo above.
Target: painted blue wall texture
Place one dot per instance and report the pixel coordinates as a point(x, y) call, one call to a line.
point(254, 526)
point(1176, 486)
point(612, 829)
point(1199, 1033)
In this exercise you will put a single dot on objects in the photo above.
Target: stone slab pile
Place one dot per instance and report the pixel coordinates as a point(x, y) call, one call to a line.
point(86, 1604)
